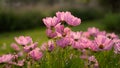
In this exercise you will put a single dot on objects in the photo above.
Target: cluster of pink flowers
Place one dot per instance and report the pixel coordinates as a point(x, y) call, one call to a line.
point(27, 49)
point(61, 36)
point(54, 24)
point(10, 59)
point(28, 46)
point(93, 39)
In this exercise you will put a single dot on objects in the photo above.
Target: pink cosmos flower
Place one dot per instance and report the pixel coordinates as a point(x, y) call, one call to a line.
point(62, 15)
point(101, 33)
point(23, 40)
point(15, 46)
point(31, 47)
point(47, 46)
point(117, 46)
point(93, 31)
point(93, 61)
point(86, 34)
point(85, 43)
point(51, 45)
point(93, 46)
point(62, 31)
point(43, 47)
point(67, 30)
point(50, 22)
point(20, 53)
point(6, 58)
point(36, 54)
point(68, 18)
point(75, 39)
point(112, 36)
point(51, 33)
point(76, 44)
point(73, 21)
point(76, 35)
point(103, 43)
point(18, 63)
point(59, 30)
point(63, 42)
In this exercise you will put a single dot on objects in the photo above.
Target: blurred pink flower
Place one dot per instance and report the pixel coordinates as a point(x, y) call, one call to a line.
point(76, 44)
point(15, 46)
point(73, 21)
point(20, 53)
point(67, 30)
point(93, 31)
point(59, 30)
point(62, 31)
point(112, 36)
point(101, 33)
point(62, 15)
point(75, 39)
point(93, 61)
point(50, 22)
point(36, 54)
point(6, 58)
point(76, 35)
point(63, 42)
point(117, 46)
point(68, 18)
point(51, 45)
point(23, 40)
point(43, 47)
point(47, 46)
point(31, 47)
point(51, 33)
point(19, 63)
point(86, 34)
point(103, 43)
point(85, 43)
point(93, 47)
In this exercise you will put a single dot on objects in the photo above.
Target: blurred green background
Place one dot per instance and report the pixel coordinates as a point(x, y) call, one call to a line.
point(24, 17)
point(27, 14)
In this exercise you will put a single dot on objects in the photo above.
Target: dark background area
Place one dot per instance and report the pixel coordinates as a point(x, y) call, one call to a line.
point(28, 14)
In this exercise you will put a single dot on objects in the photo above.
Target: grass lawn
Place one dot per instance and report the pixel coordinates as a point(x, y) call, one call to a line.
point(106, 60)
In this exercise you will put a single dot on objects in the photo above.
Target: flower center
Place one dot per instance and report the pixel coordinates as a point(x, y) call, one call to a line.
point(76, 39)
point(64, 34)
point(101, 46)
